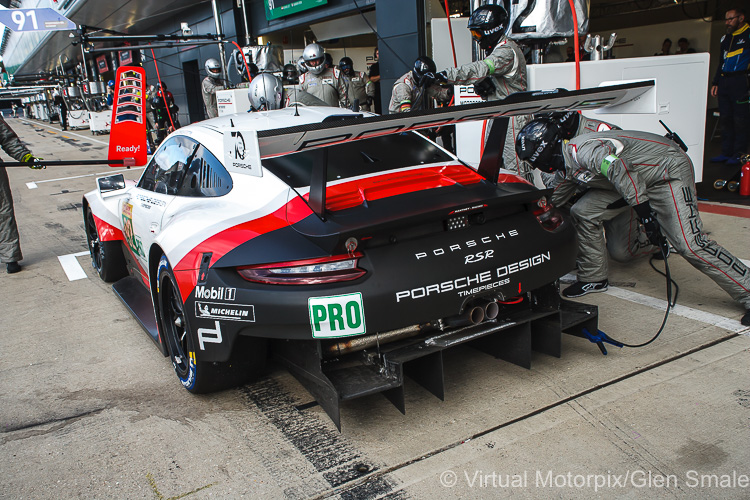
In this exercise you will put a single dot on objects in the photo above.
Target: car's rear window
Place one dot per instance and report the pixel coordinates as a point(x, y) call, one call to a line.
point(355, 158)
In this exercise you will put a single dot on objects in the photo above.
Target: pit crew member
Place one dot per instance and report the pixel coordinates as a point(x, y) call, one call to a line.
point(655, 177)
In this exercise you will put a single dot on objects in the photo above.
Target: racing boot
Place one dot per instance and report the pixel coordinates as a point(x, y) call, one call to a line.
point(12, 267)
point(579, 288)
point(746, 318)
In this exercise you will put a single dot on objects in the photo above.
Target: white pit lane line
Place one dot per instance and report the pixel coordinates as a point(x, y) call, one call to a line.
point(64, 131)
point(686, 312)
point(72, 267)
point(33, 185)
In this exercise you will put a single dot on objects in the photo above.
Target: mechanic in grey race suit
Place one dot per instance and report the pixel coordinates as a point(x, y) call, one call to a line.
point(625, 240)
point(653, 175)
point(10, 246)
point(501, 73)
point(267, 92)
point(416, 89)
point(320, 81)
point(572, 124)
point(357, 85)
point(210, 85)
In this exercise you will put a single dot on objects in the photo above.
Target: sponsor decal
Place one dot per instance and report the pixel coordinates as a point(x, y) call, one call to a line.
point(215, 293)
point(151, 201)
point(232, 312)
point(337, 315)
point(134, 242)
point(466, 245)
point(241, 153)
point(469, 285)
point(583, 176)
point(209, 335)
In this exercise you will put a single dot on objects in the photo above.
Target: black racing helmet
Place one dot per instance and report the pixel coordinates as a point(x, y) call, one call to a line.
point(540, 144)
point(290, 74)
point(568, 121)
point(252, 69)
point(328, 60)
point(487, 25)
point(346, 65)
point(424, 70)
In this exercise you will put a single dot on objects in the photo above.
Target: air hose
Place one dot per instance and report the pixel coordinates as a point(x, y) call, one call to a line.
point(600, 338)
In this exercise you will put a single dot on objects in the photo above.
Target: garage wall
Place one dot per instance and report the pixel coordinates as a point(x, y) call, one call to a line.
point(170, 61)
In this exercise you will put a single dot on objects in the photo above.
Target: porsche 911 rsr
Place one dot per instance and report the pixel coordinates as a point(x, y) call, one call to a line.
point(350, 262)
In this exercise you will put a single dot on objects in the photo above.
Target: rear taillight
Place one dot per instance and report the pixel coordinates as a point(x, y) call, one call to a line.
point(549, 217)
point(306, 272)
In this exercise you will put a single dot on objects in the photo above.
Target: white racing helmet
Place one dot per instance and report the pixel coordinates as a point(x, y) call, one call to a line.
point(265, 92)
point(314, 57)
point(213, 68)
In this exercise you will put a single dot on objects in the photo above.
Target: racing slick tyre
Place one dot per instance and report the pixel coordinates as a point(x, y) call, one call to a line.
point(247, 359)
point(106, 256)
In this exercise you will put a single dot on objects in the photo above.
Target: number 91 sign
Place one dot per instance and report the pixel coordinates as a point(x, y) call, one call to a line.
point(35, 20)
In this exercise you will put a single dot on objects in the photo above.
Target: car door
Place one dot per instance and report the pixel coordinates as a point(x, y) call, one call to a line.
point(143, 212)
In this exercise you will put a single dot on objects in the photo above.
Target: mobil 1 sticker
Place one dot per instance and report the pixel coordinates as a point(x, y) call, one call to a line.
point(233, 312)
point(337, 315)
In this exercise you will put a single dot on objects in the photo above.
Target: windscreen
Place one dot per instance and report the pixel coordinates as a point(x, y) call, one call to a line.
point(352, 159)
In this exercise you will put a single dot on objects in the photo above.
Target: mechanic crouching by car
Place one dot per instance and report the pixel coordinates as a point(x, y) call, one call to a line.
point(501, 73)
point(10, 246)
point(624, 169)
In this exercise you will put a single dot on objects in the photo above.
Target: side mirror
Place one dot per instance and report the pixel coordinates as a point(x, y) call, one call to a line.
point(111, 183)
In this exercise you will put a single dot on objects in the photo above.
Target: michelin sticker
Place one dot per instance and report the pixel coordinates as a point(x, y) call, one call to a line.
point(241, 152)
point(337, 315)
point(233, 312)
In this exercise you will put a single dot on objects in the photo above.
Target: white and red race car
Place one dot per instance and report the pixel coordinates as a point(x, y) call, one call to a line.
point(348, 245)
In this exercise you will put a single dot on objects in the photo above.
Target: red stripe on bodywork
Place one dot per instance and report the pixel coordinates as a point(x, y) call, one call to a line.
point(338, 197)
point(229, 239)
point(107, 232)
point(354, 193)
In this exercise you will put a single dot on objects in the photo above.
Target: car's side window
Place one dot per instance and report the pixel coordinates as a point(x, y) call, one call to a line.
point(206, 176)
point(165, 172)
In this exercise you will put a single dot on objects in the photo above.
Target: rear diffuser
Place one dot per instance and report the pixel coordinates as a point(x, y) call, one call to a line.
point(536, 325)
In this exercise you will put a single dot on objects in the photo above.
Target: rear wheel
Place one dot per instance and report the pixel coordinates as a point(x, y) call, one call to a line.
point(106, 256)
point(247, 358)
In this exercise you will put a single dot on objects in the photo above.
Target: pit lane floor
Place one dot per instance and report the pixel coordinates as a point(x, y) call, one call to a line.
point(91, 409)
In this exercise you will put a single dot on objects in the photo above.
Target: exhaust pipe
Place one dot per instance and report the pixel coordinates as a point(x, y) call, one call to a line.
point(491, 310)
point(471, 316)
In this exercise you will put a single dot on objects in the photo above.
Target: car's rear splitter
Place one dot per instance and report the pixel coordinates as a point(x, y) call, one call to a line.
point(536, 324)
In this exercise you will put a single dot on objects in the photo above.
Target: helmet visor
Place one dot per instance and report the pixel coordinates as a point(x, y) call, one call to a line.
point(314, 63)
point(476, 34)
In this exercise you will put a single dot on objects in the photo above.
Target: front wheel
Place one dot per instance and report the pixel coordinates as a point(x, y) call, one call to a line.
point(246, 360)
point(106, 256)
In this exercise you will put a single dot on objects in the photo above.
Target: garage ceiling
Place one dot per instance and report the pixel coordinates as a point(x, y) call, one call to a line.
point(127, 16)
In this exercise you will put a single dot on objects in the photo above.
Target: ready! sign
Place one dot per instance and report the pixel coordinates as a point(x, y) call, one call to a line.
point(337, 315)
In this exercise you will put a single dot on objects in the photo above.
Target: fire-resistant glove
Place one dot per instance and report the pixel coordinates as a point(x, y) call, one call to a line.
point(484, 88)
point(441, 78)
point(36, 162)
point(647, 218)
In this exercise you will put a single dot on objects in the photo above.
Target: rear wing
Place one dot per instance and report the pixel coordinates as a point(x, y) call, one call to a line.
point(277, 142)
point(344, 128)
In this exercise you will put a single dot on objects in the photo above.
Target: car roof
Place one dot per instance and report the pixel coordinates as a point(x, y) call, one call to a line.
point(206, 131)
